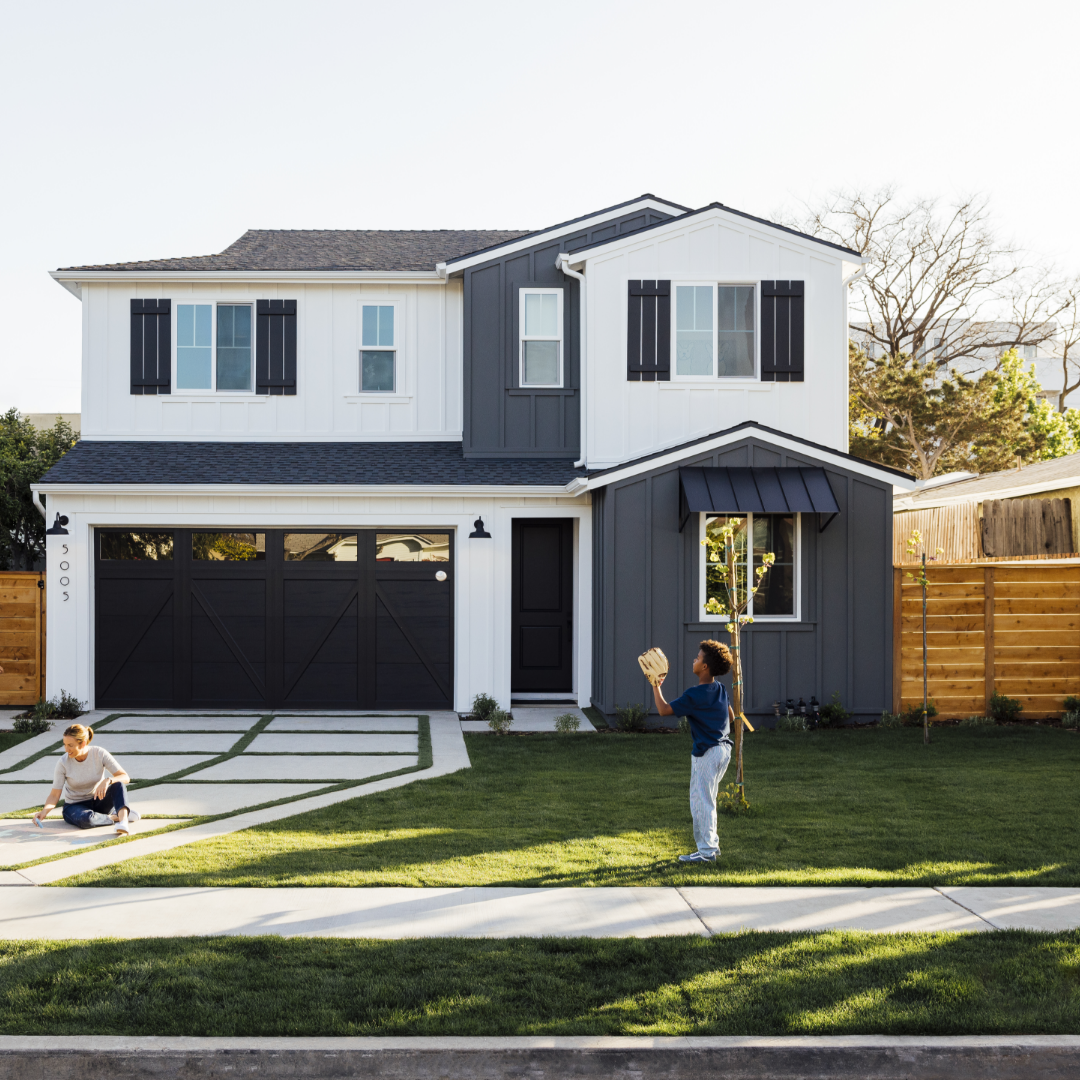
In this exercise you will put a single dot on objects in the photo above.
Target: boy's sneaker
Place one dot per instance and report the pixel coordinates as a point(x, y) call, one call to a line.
point(697, 856)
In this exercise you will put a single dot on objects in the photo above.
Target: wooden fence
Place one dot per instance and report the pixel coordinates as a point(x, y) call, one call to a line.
point(22, 637)
point(954, 529)
point(1011, 627)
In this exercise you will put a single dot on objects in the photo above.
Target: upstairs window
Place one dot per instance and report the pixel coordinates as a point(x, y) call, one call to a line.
point(378, 353)
point(541, 337)
point(214, 347)
point(714, 331)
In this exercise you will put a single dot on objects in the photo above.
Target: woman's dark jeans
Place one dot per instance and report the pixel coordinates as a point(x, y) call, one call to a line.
point(95, 812)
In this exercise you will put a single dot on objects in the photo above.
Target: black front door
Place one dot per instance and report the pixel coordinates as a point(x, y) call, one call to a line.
point(274, 619)
point(543, 604)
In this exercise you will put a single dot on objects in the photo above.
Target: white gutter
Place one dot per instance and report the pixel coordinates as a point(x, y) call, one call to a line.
point(573, 487)
point(563, 263)
point(38, 504)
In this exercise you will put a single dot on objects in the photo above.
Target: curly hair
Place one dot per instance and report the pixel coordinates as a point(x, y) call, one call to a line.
point(717, 657)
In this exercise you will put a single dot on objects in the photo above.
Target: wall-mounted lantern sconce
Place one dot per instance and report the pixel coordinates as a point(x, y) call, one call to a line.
point(57, 527)
point(479, 532)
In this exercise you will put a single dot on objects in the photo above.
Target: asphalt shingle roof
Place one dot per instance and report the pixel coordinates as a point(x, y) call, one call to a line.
point(104, 462)
point(333, 249)
point(1059, 472)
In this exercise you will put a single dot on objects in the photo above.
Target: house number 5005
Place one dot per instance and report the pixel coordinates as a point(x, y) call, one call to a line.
point(65, 566)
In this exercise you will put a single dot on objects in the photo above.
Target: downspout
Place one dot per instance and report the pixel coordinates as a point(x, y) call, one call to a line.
point(41, 508)
point(563, 263)
point(848, 282)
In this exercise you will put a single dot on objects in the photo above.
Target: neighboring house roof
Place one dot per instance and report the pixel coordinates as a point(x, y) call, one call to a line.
point(400, 464)
point(371, 250)
point(718, 439)
point(1050, 475)
point(579, 252)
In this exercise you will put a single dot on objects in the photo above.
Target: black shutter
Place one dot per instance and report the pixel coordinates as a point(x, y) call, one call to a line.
point(151, 346)
point(782, 321)
point(275, 347)
point(648, 331)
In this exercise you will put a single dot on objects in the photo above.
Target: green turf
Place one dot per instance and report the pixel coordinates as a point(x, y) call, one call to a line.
point(988, 806)
point(745, 984)
point(8, 739)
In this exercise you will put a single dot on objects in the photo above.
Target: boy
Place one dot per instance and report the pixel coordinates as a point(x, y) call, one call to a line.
point(707, 708)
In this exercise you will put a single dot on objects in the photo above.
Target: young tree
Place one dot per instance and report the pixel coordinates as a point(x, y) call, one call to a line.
point(26, 454)
point(725, 548)
point(938, 279)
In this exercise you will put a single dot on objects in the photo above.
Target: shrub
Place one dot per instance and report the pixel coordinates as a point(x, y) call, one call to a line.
point(631, 717)
point(1072, 703)
point(65, 707)
point(1003, 709)
point(567, 723)
point(1071, 719)
point(833, 714)
point(890, 719)
point(791, 722)
point(483, 705)
point(732, 800)
point(912, 715)
point(978, 721)
point(499, 721)
point(30, 725)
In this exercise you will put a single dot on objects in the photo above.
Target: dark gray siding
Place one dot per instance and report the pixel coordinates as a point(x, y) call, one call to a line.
point(646, 592)
point(501, 418)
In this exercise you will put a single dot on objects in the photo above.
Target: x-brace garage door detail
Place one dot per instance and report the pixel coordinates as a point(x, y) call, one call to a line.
point(274, 619)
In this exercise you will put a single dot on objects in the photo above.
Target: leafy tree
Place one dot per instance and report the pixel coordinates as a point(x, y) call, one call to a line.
point(26, 454)
point(1056, 433)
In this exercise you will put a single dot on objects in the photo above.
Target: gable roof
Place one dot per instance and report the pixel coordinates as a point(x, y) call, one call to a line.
point(1062, 472)
point(371, 250)
point(727, 210)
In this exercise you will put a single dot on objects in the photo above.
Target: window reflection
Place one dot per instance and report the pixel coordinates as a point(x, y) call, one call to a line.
point(228, 546)
point(320, 547)
point(771, 532)
point(412, 547)
point(139, 547)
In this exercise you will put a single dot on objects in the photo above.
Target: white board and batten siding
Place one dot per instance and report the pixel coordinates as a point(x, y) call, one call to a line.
point(327, 406)
point(628, 419)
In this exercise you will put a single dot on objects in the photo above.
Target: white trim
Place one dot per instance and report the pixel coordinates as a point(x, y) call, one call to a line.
point(71, 279)
point(714, 213)
point(294, 490)
point(704, 616)
point(540, 290)
point(463, 262)
point(276, 437)
point(752, 431)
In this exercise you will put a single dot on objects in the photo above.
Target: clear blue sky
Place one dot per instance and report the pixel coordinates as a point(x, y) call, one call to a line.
point(139, 131)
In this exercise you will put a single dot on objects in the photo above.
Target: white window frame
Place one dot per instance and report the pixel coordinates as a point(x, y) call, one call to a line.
point(522, 338)
point(714, 380)
point(213, 303)
point(704, 616)
point(400, 390)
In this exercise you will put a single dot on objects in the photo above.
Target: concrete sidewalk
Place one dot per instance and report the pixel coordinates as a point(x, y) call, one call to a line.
point(85, 913)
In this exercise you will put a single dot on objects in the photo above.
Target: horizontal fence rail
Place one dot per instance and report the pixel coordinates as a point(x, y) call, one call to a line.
point(1005, 627)
point(22, 637)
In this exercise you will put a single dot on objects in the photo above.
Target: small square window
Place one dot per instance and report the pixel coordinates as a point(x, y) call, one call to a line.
point(378, 354)
point(541, 337)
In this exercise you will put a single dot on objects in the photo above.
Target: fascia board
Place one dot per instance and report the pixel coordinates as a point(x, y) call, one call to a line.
point(67, 278)
point(270, 437)
point(675, 456)
point(454, 266)
point(906, 503)
point(313, 490)
point(715, 213)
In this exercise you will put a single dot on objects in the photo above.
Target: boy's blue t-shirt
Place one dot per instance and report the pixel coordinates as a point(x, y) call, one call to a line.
point(706, 707)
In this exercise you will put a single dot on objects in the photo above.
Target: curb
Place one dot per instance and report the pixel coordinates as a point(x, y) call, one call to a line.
point(1020, 1057)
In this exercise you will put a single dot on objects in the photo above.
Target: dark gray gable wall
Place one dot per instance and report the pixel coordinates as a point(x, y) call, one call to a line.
point(501, 419)
point(645, 581)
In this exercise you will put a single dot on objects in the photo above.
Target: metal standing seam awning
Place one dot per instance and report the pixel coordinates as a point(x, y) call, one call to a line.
point(759, 491)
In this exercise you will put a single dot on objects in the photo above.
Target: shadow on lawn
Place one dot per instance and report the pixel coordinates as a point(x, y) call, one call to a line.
point(745, 984)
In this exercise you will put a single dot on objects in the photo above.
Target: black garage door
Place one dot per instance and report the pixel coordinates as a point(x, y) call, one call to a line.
point(274, 619)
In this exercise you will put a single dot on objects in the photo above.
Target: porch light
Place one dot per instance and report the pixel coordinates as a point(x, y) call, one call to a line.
point(479, 532)
point(57, 527)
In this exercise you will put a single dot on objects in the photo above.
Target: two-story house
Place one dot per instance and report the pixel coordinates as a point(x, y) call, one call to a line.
point(390, 469)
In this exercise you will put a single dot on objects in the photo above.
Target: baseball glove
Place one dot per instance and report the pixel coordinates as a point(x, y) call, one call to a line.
point(654, 664)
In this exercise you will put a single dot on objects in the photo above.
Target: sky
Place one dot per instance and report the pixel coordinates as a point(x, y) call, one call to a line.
point(135, 131)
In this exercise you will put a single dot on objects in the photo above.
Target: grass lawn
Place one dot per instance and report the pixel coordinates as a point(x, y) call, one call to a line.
point(743, 984)
point(8, 739)
point(987, 806)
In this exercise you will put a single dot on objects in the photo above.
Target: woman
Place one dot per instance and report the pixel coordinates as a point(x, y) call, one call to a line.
point(92, 784)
